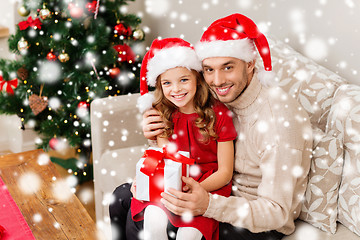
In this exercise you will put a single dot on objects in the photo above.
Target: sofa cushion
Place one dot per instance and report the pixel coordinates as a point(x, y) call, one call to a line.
point(320, 203)
point(345, 118)
point(312, 85)
point(308, 232)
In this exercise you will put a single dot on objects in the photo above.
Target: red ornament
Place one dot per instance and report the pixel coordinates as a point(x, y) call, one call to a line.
point(91, 7)
point(51, 56)
point(120, 29)
point(30, 23)
point(9, 85)
point(125, 53)
point(53, 143)
point(83, 105)
point(114, 72)
point(75, 11)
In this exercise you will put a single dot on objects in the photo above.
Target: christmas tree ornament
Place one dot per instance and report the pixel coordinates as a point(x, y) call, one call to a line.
point(125, 53)
point(63, 57)
point(53, 143)
point(51, 56)
point(121, 30)
point(8, 85)
point(83, 105)
point(115, 71)
point(91, 6)
point(23, 11)
point(138, 34)
point(37, 103)
point(75, 10)
point(22, 44)
point(22, 73)
point(30, 22)
point(44, 13)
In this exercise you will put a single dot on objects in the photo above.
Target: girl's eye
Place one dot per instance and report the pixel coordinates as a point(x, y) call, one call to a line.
point(165, 83)
point(184, 80)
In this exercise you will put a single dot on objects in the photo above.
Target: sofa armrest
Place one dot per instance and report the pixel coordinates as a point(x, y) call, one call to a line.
point(117, 143)
point(115, 123)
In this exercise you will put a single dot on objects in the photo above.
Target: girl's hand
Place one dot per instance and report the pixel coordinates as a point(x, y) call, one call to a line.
point(152, 124)
point(133, 188)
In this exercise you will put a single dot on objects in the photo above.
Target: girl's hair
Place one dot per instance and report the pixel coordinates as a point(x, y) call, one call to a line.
point(203, 102)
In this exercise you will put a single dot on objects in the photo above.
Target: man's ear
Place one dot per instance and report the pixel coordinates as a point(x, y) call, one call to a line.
point(250, 66)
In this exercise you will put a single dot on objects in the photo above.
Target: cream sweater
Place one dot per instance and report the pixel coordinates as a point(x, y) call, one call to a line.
point(272, 161)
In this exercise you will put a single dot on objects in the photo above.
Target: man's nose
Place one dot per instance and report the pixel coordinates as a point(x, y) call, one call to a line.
point(218, 78)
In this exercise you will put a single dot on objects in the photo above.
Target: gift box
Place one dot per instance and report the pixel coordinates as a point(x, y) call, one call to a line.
point(159, 170)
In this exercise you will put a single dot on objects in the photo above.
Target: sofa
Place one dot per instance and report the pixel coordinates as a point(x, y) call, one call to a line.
point(331, 206)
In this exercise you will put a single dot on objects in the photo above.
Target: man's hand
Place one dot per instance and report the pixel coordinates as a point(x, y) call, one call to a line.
point(152, 124)
point(195, 200)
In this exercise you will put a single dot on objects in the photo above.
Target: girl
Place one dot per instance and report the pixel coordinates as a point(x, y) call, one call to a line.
point(196, 123)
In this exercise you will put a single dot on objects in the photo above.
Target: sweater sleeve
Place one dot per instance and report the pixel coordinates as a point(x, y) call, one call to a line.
point(272, 207)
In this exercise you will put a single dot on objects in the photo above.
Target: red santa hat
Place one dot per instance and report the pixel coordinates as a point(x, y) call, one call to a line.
point(235, 36)
point(164, 54)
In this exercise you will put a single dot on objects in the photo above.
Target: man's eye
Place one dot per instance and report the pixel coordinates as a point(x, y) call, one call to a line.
point(228, 68)
point(208, 70)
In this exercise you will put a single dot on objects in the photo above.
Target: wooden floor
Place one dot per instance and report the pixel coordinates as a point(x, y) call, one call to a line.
point(85, 191)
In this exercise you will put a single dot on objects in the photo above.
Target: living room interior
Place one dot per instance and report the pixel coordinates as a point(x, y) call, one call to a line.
point(313, 49)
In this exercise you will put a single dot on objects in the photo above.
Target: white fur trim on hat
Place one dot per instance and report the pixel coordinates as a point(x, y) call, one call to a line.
point(267, 78)
point(243, 49)
point(168, 58)
point(144, 102)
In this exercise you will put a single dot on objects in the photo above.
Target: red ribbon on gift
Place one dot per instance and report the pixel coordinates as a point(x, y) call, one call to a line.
point(154, 162)
point(2, 231)
point(30, 23)
point(9, 85)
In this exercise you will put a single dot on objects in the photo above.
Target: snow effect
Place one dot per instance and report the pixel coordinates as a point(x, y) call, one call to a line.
point(61, 191)
point(54, 103)
point(43, 159)
point(187, 217)
point(29, 182)
point(316, 48)
point(49, 72)
point(157, 8)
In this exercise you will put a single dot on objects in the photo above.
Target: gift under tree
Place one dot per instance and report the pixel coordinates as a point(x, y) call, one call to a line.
point(69, 52)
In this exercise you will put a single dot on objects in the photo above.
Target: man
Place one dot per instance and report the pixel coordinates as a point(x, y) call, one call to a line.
point(274, 142)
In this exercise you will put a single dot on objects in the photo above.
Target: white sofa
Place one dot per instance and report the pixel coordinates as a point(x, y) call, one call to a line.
point(118, 142)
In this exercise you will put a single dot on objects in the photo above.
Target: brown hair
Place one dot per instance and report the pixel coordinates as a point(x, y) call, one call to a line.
point(203, 102)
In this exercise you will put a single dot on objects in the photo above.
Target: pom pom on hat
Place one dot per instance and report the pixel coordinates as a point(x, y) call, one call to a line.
point(236, 36)
point(144, 102)
point(164, 54)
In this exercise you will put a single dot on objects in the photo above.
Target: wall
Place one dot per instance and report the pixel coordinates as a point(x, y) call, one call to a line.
point(8, 18)
point(325, 30)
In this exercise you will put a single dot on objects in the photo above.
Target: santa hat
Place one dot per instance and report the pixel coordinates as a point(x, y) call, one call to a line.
point(234, 36)
point(163, 55)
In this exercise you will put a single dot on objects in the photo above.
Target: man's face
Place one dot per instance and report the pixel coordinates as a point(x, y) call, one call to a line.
point(227, 76)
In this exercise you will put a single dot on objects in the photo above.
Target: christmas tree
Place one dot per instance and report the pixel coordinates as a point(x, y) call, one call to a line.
point(69, 53)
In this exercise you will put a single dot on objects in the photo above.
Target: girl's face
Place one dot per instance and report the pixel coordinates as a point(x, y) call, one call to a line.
point(179, 87)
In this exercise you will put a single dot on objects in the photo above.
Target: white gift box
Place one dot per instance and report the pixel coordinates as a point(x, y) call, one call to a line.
point(172, 177)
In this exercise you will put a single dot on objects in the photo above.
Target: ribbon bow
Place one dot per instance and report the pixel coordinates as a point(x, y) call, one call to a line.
point(30, 23)
point(153, 158)
point(8, 85)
